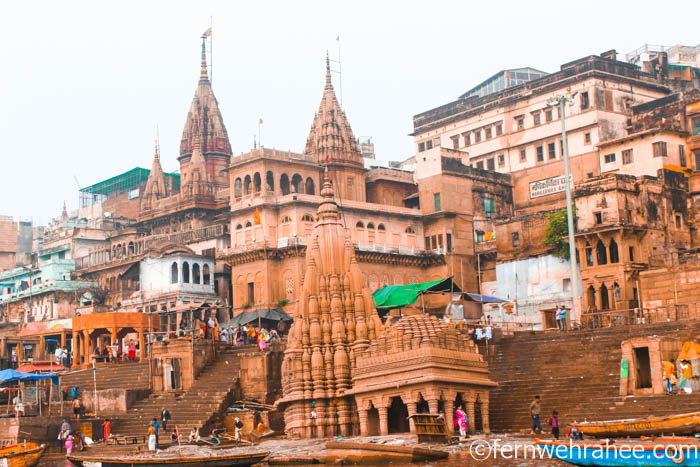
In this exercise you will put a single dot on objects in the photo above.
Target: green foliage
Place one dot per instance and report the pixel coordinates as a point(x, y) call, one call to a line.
point(247, 305)
point(284, 301)
point(557, 233)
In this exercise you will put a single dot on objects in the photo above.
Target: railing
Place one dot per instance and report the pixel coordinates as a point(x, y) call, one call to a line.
point(639, 316)
point(288, 242)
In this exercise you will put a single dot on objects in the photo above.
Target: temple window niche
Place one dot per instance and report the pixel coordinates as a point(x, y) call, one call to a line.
point(173, 273)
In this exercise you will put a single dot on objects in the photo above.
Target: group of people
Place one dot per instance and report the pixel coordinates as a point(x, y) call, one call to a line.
point(69, 439)
point(552, 421)
point(113, 354)
point(63, 356)
point(156, 425)
point(670, 379)
point(560, 316)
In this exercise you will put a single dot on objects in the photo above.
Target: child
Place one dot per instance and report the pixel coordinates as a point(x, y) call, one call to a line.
point(554, 422)
point(107, 426)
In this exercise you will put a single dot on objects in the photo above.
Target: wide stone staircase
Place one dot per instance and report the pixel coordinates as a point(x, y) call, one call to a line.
point(200, 406)
point(577, 374)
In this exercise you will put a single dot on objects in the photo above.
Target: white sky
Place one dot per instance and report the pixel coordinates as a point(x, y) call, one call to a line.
point(83, 84)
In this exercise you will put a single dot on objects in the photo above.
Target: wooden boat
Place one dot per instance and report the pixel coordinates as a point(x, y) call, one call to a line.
point(21, 455)
point(681, 424)
point(622, 454)
point(371, 453)
point(184, 461)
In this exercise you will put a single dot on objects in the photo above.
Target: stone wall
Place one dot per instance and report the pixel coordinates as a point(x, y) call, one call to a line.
point(669, 286)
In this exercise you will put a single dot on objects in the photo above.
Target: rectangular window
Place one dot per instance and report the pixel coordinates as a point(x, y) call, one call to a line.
point(421, 147)
point(499, 129)
point(627, 156)
point(660, 149)
point(251, 292)
point(429, 144)
point(678, 221)
point(448, 238)
point(566, 284)
point(436, 200)
point(467, 139)
point(523, 155)
point(536, 119)
point(552, 150)
point(479, 236)
point(433, 242)
point(520, 122)
point(585, 103)
point(696, 155)
point(501, 160)
point(489, 207)
point(681, 155)
point(439, 240)
point(548, 115)
point(477, 136)
point(589, 256)
point(436, 142)
point(587, 138)
point(631, 253)
point(598, 217)
point(488, 133)
point(427, 243)
point(540, 154)
point(480, 165)
point(516, 239)
point(455, 142)
point(491, 164)
point(609, 158)
point(696, 125)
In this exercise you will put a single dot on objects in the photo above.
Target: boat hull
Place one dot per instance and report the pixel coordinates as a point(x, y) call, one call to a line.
point(623, 455)
point(21, 455)
point(220, 461)
point(370, 453)
point(682, 424)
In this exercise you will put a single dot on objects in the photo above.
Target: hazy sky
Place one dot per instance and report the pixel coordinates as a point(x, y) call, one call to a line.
point(84, 84)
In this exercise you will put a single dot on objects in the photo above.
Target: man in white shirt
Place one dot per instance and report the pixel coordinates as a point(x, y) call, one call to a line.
point(58, 354)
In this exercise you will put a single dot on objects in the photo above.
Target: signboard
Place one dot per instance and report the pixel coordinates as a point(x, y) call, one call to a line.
point(623, 369)
point(548, 186)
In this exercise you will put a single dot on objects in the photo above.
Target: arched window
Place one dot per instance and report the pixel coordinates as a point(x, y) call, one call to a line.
point(370, 226)
point(309, 189)
point(195, 274)
point(381, 227)
point(239, 227)
point(248, 224)
point(205, 275)
point(592, 303)
point(360, 225)
point(186, 272)
point(270, 181)
point(410, 230)
point(238, 188)
point(307, 218)
point(286, 219)
point(246, 185)
point(614, 254)
point(296, 184)
point(173, 273)
point(131, 248)
point(601, 253)
point(257, 182)
point(284, 184)
point(604, 297)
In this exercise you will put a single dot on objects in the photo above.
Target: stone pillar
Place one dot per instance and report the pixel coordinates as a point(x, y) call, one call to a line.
point(85, 351)
point(485, 416)
point(113, 331)
point(433, 405)
point(42, 348)
point(449, 415)
point(142, 345)
point(469, 405)
point(383, 420)
point(412, 410)
point(76, 349)
point(364, 422)
point(63, 340)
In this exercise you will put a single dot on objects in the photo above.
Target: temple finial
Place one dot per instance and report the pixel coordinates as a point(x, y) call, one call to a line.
point(157, 153)
point(328, 71)
point(204, 75)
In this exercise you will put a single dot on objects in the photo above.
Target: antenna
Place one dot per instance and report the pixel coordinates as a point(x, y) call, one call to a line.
point(211, 50)
point(76, 182)
point(340, 71)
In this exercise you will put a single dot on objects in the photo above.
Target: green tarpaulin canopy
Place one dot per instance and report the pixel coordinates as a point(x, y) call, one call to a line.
point(397, 296)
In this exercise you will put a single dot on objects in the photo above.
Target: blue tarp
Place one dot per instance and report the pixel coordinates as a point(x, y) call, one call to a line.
point(10, 375)
point(483, 298)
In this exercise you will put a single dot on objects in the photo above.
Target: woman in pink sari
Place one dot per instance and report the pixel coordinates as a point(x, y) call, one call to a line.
point(461, 421)
point(68, 440)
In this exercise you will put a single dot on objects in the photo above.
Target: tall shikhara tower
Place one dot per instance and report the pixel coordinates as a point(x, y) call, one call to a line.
point(335, 321)
point(205, 130)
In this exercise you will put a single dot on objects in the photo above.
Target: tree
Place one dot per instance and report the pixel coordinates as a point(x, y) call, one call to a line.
point(557, 233)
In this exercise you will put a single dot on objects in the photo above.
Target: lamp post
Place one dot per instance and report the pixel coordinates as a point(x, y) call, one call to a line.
point(560, 100)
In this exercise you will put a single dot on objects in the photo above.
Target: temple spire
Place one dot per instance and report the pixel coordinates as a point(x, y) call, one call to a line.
point(329, 84)
point(204, 75)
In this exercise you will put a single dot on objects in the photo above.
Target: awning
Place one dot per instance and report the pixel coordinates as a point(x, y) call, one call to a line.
point(397, 296)
point(251, 316)
point(43, 366)
point(475, 297)
point(11, 375)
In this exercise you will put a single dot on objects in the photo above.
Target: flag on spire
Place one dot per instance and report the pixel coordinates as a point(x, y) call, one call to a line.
point(207, 33)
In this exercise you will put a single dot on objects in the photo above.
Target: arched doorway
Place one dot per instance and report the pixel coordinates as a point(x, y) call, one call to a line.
point(398, 416)
point(373, 422)
point(604, 297)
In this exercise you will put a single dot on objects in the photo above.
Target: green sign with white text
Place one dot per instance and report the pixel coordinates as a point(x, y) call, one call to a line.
point(623, 370)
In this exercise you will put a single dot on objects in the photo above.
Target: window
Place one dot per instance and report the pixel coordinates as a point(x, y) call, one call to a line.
point(491, 164)
point(627, 156)
point(429, 144)
point(439, 240)
point(196, 277)
point(427, 243)
point(566, 284)
point(480, 165)
point(587, 138)
point(585, 103)
point(433, 242)
point(479, 236)
point(631, 253)
point(307, 218)
point(601, 253)
point(614, 255)
point(410, 230)
point(696, 154)
point(360, 225)
point(421, 147)
point(678, 221)
point(540, 154)
point(516, 239)
point(173, 273)
point(609, 158)
point(696, 125)
point(251, 292)
point(436, 201)
point(248, 224)
point(436, 142)
point(467, 139)
point(501, 160)
point(488, 206)
point(381, 227)
point(536, 119)
point(499, 129)
point(455, 142)
point(206, 278)
point(370, 226)
point(589, 256)
point(520, 122)
point(660, 149)
point(286, 219)
point(548, 115)
point(523, 155)
point(598, 217)
point(186, 272)
point(552, 150)
point(681, 156)
point(477, 136)
point(62, 254)
point(488, 133)
point(448, 237)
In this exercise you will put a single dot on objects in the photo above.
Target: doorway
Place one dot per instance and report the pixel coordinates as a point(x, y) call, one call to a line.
point(373, 422)
point(643, 367)
point(549, 320)
point(398, 416)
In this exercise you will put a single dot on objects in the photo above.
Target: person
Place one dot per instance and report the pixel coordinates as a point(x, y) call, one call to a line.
point(76, 408)
point(175, 437)
point(202, 329)
point(194, 435)
point(69, 444)
point(238, 426)
point(107, 428)
point(156, 425)
point(58, 354)
point(686, 374)
point(461, 421)
point(65, 429)
point(669, 369)
point(19, 406)
point(164, 417)
point(211, 324)
point(262, 345)
point(215, 331)
point(535, 414)
point(152, 438)
point(274, 336)
point(557, 316)
point(563, 318)
point(574, 434)
point(553, 421)
point(224, 335)
point(132, 350)
point(74, 392)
